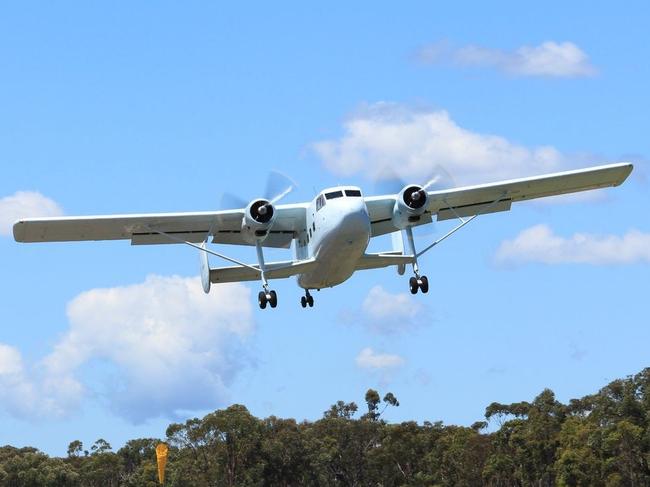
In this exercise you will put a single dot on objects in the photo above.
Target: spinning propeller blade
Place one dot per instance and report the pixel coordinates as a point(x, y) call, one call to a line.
point(278, 185)
point(231, 201)
point(388, 181)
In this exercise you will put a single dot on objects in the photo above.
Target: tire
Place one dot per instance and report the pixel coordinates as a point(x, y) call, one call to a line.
point(303, 302)
point(261, 299)
point(413, 285)
point(424, 284)
point(273, 299)
point(310, 301)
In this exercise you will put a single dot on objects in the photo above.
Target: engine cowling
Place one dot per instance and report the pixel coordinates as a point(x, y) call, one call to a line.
point(410, 204)
point(258, 218)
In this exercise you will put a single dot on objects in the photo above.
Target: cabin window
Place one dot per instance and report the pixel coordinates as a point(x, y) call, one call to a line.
point(352, 192)
point(320, 202)
point(310, 232)
point(334, 194)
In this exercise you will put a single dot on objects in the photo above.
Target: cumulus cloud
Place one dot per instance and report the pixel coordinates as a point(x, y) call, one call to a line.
point(549, 59)
point(369, 359)
point(387, 313)
point(13, 382)
point(540, 244)
point(170, 348)
point(414, 143)
point(25, 204)
point(33, 394)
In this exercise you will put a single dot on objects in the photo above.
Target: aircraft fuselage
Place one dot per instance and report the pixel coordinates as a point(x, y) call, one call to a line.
point(337, 235)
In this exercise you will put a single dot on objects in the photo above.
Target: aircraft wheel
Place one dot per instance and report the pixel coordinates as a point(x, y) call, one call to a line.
point(413, 285)
point(310, 301)
point(261, 299)
point(273, 299)
point(424, 284)
point(303, 301)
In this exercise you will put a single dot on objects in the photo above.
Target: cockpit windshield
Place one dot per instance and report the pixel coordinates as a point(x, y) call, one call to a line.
point(339, 193)
point(334, 194)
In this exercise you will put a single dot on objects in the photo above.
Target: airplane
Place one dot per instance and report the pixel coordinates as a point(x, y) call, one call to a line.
point(330, 234)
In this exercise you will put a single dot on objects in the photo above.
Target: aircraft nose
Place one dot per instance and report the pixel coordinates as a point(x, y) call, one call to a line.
point(355, 224)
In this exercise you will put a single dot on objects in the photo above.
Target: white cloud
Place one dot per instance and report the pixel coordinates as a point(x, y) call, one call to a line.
point(32, 394)
point(549, 59)
point(540, 244)
point(13, 383)
point(384, 312)
point(170, 348)
point(369, 359)
point(414, 143)
point(25, 204)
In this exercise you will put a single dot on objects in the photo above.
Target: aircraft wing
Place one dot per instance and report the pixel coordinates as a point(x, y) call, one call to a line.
point(225, 226)
point(479, 199)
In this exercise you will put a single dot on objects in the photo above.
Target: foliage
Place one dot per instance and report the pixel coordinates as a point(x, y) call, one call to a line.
point(600, 440)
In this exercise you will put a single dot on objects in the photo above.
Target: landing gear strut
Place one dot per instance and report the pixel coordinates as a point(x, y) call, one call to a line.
point(416, 282)
point(267, 296)
point(307, 299)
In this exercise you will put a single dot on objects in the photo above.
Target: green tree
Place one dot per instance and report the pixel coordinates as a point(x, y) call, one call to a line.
point(223, 448)
point(75, 448)
point(100, 446)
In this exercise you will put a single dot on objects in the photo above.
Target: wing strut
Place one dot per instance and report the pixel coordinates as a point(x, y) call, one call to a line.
point(457, 227)
point(420, 282)
point(204, 249)
point(266, 296)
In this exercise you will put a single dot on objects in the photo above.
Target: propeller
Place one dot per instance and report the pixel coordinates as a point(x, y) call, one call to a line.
point(278, 185)
point(387, 181)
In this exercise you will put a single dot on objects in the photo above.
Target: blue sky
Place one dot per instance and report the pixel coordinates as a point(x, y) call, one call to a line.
point(120, 108)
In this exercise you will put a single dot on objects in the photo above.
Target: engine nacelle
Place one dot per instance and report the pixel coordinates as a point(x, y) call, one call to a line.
point(410, 205)
point(257, 221)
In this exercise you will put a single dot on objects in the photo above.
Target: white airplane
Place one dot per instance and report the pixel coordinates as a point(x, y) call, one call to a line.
point(330, 234)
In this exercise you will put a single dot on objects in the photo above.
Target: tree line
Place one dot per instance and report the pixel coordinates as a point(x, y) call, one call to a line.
point(602, 439)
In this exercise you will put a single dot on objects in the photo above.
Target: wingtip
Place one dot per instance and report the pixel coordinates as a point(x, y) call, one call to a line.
point(627, 164)
point(19, 231)
point(627, 168)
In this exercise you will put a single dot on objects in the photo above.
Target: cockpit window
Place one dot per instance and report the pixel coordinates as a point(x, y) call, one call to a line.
point(320, 202)
point(352, 192)
point(334, 194)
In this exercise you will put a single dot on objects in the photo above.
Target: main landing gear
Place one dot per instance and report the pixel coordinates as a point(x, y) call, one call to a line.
point(421, 283)
point(307, 299)
point(416, 282)
point(267, 297)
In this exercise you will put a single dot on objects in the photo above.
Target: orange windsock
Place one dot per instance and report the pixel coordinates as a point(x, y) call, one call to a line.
point(161, 457)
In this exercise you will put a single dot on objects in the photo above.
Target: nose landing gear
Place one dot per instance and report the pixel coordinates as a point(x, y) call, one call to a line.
point(307, 299)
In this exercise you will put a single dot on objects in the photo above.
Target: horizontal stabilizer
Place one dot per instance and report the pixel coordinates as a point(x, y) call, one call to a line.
point(274, 270)
point(382, 259)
